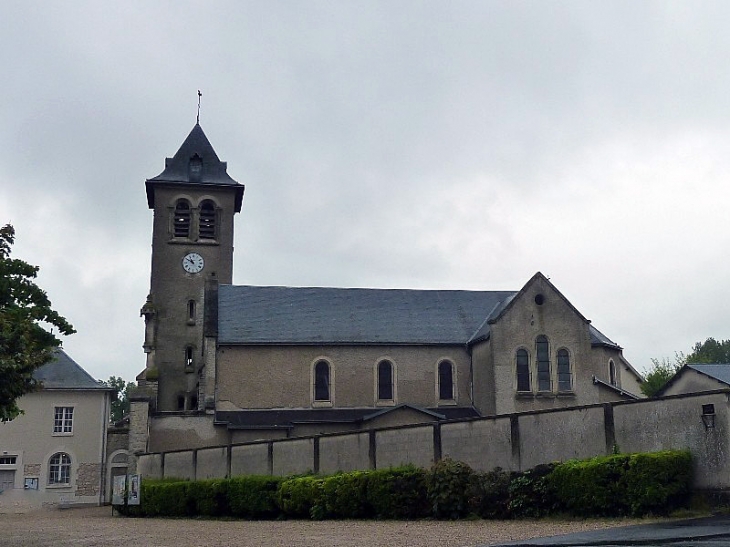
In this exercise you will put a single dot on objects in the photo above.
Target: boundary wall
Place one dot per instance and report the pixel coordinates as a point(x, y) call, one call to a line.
point(513, 442)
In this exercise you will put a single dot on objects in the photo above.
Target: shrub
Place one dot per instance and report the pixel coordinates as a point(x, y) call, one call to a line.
point(659, 482)
point(345, 496)
point(489, 494)
point(398, 493)
point(254, 496)
point(209, 498)
point(300, 497)
point(447, 489)
point(530, 493)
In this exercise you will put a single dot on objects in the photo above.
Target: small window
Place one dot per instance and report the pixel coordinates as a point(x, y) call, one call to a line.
point(523, 370)
point(322, 381)
point(543, 363)
point(446, 381)
point(63, 419)
point(189, 356)
point(207, 220)
point(59, 471)
point(8, 460)
point(565, 377)
point(191, 312)
point(181, 222)
point(385, 381)
point(196, 168)
point(612, 379)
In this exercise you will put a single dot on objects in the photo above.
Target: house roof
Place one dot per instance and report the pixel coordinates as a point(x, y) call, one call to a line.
point(718, 371)
point(177, 169)
point(315, 315)
point(65, 373)
point(288, 418)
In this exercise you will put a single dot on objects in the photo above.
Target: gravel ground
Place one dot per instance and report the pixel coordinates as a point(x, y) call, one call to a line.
point(96, 526)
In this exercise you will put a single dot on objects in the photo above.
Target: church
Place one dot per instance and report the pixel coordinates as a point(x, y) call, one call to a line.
point(234, 363)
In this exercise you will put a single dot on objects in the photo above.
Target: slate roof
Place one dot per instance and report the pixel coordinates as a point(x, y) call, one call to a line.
point(305, 315)
point(718, 371)
point(251, 315)
point(214, 171)
point(65, 373)
point(289, 417)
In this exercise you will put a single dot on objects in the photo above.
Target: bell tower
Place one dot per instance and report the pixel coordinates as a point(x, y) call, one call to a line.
point(194, 201)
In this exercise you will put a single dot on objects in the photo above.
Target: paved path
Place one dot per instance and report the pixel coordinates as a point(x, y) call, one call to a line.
point(703, 532)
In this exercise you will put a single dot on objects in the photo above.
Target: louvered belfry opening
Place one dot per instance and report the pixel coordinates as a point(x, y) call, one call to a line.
point(182, 219)
point(207, 220)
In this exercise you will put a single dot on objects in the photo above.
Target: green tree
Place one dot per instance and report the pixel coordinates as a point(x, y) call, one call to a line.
point(120, 405)
point(26, 317)
point(661, 372)
point(710, 351)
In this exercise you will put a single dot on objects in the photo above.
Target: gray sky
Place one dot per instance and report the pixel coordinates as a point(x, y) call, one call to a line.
point(449, 145)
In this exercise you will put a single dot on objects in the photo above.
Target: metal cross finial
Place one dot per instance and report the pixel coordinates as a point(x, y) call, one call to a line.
point(199, 95)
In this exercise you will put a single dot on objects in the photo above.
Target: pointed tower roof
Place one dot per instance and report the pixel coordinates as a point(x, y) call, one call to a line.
point(194, 163)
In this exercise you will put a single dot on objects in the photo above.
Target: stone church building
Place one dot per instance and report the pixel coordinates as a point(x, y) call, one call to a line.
point(231, 363)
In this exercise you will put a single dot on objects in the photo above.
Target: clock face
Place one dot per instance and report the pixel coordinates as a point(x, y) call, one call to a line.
point(193, 263)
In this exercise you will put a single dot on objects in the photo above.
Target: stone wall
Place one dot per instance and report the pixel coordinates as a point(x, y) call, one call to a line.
point(88, 480)
point(513, 442)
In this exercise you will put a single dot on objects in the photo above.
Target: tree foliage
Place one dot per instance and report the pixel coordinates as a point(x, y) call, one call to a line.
point(710, 351)
point(26, 317)
point(660, 373)
point(120, 405)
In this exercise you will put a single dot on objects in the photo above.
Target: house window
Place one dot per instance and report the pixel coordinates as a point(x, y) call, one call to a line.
point(543, 363)
point(181, 221)
point(8, 460)
point(322, 381)
point(63, 419)
point(59, 470)
point(523, 370)
point(207, 220)
point(565, 378)
point(612, 378)
point(446, 381)
point(385, 381)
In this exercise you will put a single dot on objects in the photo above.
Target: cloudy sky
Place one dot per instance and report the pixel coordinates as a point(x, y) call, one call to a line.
point(441, 145)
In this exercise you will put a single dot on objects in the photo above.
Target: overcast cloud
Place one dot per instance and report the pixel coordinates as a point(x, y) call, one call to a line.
point(450, 145)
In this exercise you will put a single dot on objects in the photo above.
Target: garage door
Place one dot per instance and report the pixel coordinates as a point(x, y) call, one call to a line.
point(7, 480)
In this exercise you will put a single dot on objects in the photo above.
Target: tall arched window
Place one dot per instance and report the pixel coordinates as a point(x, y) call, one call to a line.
point(59, 469)
point(385, 381)
point(191, 312)
point(612, 377)
point(565, 377)
point(206, 220)
point(446, 381)
point(523, 370)
point(189, 356)
point(181, 220)
point(322, 381)
point(543, 363)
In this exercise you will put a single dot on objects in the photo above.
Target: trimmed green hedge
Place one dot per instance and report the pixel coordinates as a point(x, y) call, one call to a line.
point(622, 484)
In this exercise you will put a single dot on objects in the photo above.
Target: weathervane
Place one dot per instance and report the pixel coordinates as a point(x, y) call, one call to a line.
point(198, 118)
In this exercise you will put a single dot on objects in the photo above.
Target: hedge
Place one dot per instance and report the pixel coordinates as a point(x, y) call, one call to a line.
point(622, 484)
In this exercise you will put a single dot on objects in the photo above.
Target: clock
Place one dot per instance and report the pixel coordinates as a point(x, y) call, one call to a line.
point(193, 263)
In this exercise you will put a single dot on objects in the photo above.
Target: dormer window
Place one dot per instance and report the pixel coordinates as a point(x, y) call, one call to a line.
point(207, 220)
point(181, 219)
point(195, 168)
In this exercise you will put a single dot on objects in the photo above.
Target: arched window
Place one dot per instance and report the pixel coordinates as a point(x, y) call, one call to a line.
point(543, 363)
point(385, 381)
point(612, 378)
point(59, 469)
point(322, 381)
point(206, 220)
point(446, 381)
point(565, 377)
point(523, 370)
point(189, 354)
point(181, 220)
